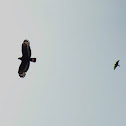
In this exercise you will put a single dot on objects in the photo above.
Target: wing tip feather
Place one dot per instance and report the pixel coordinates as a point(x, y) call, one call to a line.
point(22, 75)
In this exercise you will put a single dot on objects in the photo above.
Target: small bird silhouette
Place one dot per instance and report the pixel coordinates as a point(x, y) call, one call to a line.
point(26, 58)
point(116, 64)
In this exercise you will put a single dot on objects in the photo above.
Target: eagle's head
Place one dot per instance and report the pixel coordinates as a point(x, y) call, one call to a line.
point(20, 58)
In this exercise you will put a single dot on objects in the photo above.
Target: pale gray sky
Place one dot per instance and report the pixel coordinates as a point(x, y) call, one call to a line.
point(76, 43)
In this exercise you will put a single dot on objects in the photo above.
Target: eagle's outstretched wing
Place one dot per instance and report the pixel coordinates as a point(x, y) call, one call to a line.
point(23, 68)
point(115, 66)
point(117, 62)
point(26, 51)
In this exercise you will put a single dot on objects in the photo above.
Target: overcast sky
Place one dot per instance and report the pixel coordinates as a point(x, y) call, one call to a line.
point(73, 83)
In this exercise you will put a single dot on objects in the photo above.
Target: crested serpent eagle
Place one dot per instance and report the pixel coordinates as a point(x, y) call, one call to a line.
point(116, 64)
point(26, 58)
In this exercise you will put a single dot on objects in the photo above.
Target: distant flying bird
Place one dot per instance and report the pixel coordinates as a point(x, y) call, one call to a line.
point(116, 64)
point(26, 54)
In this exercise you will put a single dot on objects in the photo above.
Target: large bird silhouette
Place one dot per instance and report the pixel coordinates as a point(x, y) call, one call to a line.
point(26, 54)
point(116, 64)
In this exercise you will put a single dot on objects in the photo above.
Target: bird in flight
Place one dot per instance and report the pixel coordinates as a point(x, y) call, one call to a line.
point(26, 58)
point(116, 64)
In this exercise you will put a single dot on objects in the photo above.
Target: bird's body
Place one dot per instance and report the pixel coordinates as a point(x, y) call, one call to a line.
point(116, 64)
point(26, 58)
